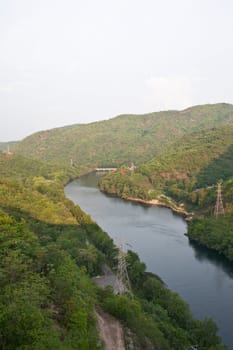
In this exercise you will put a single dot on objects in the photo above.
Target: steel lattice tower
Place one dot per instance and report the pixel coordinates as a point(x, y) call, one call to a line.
point(219, 209)
point(122, 282)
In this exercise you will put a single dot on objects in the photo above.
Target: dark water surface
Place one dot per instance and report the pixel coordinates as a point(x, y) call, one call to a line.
point(203, 279)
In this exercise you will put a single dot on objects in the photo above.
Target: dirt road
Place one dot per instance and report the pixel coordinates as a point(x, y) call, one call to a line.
point(110, 330)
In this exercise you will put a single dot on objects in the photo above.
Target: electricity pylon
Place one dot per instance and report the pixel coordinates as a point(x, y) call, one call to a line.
point(122, 281)
point(219, 209)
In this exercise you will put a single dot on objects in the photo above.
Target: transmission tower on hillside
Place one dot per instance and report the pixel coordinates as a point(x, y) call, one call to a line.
point(122, 281)
point(219, 209)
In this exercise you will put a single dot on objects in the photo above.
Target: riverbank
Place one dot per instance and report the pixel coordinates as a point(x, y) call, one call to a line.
point(158, 237)
point(158, 203)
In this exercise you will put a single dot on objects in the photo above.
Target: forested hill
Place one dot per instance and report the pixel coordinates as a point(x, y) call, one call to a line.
point(195, 161)
point(50, 250)
point(124, 139)
point(20, 167)
point(188, 172)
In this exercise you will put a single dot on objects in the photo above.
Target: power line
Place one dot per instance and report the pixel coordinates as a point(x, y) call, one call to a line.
point(219, 209)
point(122, 280)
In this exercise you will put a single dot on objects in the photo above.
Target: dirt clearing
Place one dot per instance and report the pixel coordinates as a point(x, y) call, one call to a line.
point(110, 331)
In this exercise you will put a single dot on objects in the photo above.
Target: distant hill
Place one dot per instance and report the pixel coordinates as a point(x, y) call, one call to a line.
point(195, 161)
point(123, 139)
point(16, 166)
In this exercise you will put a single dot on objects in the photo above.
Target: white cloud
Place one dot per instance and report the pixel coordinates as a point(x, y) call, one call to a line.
point(163, 93)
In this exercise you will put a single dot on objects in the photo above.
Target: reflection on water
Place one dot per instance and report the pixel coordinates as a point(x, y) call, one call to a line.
point(203, 255)
point(204, 279)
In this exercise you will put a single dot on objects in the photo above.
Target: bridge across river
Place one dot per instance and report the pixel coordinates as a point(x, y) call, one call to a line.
point(105, 169)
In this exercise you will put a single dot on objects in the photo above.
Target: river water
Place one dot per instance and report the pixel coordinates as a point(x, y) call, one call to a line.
point(201, 277)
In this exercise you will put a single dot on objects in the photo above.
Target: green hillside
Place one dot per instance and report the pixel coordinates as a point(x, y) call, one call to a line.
point(214, 233)
point(187, 173)
point(50, 250)
point(121, 140)
point(196, 160)
point(21, 167)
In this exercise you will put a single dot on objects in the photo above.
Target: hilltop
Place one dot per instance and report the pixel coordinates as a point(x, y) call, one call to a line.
point(121, 140)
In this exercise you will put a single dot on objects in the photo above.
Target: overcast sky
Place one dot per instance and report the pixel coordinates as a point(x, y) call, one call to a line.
point(75, 61)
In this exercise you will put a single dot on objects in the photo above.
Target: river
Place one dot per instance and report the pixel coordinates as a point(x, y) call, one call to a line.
point(201, 277)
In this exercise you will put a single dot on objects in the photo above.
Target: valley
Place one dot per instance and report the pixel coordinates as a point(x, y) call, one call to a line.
point(51, 248)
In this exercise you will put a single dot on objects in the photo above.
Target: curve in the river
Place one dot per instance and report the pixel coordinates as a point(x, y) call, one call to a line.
point(203, 279)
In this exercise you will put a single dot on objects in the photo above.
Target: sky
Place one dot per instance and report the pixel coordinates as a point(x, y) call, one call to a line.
point(64, 62)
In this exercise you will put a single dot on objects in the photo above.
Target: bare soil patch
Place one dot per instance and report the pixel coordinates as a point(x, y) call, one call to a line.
point(110, 330)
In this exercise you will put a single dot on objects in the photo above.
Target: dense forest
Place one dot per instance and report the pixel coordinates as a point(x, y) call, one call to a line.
point(185, 175)
point(50, 250)
point(212, 232)
point(121, 140)
point(195, 161)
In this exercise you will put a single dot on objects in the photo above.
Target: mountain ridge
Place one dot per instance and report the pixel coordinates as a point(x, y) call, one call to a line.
point(122, 139)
